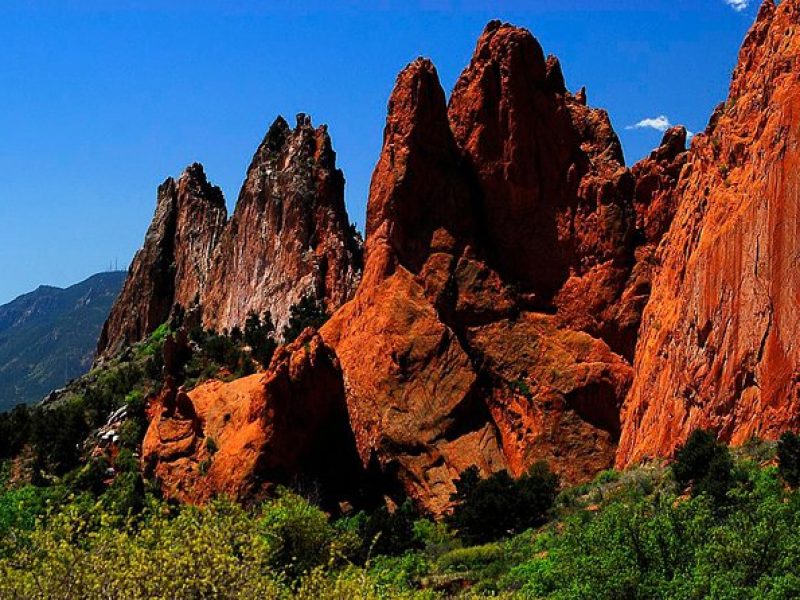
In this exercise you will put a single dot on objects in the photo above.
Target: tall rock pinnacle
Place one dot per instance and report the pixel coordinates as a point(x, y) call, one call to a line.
point(491, 228)
point(289, 236)
point(173, 265)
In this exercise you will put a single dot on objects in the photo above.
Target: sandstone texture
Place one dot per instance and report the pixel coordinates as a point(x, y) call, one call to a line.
point(289, 237)
point(525, 296)
point(491, 324)
point(717, 346)
point(239, 438)
point(173, 265)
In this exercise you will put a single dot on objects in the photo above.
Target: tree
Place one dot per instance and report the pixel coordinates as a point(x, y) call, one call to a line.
point(309, 312)
point(498, 506)
point(789, 458)
point(259, 334)
point(706, 465)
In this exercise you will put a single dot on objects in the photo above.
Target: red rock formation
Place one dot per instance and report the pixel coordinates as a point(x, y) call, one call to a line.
point(717, 346)
point(239, 438)
point(508, 257)
point(555, 193)
point(289, 236)
point(444, 366)
point(173, 264)
point(655, 203)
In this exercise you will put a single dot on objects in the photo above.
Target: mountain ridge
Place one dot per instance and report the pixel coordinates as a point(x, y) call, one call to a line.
point(47, 336)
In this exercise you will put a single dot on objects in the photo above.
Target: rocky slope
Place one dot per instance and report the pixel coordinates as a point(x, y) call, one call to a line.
point(47, 337)
point(717, 346)
point(289, 237)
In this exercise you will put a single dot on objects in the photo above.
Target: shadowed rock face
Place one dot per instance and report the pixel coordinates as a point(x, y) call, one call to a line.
point(173, 265)
point(718, 343)
point(239, 438)
point(289, 237)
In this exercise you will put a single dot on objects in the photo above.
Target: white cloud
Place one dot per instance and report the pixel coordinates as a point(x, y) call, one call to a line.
point(738, 5)
point(660, 123)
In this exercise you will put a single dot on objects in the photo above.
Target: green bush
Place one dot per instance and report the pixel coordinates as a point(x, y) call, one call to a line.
point(496, 507)
point(299, 535)
point(259, 334)
point(706, 465)
point(387, 532)
point(466, 559)
point(309, 312)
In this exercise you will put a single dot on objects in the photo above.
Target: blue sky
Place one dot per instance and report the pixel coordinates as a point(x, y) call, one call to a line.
point(100, 100)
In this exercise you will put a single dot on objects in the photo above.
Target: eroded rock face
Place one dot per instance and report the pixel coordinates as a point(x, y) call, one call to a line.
point(498, 232)
point(173, 265)
point(289, 237)
point(508, 257)
point(554, 190)
point(239, 438)
point(717, 346)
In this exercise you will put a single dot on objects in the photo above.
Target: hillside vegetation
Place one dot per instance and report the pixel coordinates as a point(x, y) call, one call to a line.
point(78, 523)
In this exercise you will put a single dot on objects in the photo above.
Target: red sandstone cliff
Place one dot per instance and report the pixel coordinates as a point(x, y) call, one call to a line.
point(501, 238)
point(717, 346)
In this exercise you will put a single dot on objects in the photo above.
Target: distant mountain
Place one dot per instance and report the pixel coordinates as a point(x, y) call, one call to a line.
point(48, 336)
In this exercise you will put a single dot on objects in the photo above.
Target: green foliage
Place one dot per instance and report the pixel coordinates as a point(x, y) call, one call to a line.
point(14, 431)
point(299, 534)
point(155, 342)
point(706, 465)
point(259, 334)
point(465, 559)
point(384, 532)
point(499, 506)
point(789, 458)
point(636, 544)
point(309, 312)
point(664, 548)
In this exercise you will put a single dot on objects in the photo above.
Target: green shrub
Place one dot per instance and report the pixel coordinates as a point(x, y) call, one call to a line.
point(259, 334)
point(706, 465)
point(489, 509)
point(466, 559)
point(309, 312)
point(389, 532)
point(299, 535)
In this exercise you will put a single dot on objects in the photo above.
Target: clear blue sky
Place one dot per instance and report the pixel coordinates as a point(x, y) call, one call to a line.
point(100, 100)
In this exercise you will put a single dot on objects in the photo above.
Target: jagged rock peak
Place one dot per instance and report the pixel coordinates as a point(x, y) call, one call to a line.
point(289, 236)
point(417, 188)
point(172, 265)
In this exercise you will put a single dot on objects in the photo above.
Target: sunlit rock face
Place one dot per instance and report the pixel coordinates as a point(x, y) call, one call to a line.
point(718, 344)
